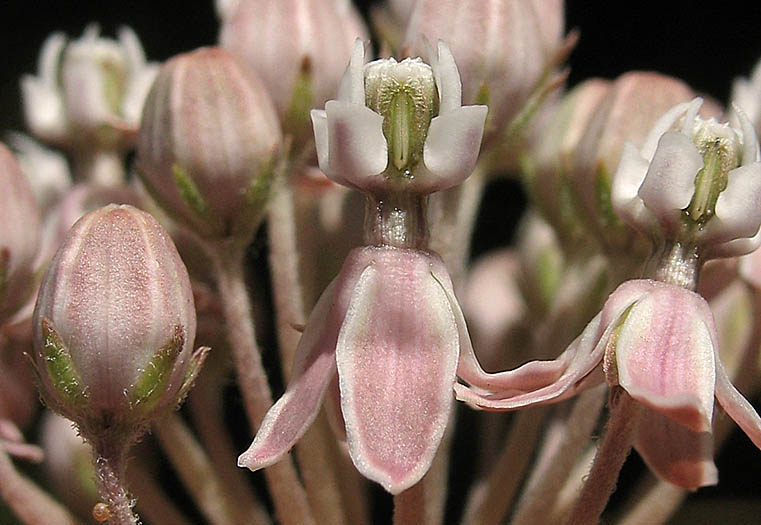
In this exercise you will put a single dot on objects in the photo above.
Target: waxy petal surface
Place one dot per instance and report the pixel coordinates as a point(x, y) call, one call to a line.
point(737, 406)
point(674, 453)
point(664, 353)
point(357, 149)
point(397, 356)
point(451, 148)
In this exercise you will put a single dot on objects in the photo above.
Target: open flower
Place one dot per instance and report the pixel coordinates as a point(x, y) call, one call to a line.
point(417, 132)
point(698, 184)
point(658, 342)
point(388, 327)
point(91, 89)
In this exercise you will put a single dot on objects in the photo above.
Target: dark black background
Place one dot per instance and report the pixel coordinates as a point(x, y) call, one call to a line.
point(707, 44)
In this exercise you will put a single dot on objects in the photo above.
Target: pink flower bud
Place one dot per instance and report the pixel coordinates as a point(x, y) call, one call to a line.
point(207, 144)
point(552, 159)
point(298, 47)
point(502, 47)
point(19, 235)
point(115, 322)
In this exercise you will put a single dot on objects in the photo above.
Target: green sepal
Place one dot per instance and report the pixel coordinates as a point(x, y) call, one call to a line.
point(610, 363)
point(153, 381)
point(297, 121)
point(194, 200)
point(60, 368)
point(194, 368)
point(258, 195)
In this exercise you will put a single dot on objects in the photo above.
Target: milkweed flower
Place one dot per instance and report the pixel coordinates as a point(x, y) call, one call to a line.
point(694, 190)
point(385, 337)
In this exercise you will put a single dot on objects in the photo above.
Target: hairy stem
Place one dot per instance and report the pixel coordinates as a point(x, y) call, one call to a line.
point(285, 487)
point(110, 468)
point(611, 454)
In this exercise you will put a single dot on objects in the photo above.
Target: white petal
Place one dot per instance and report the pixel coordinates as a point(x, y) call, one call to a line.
point(733, 248)
point(738, 213)
point(447, 80)
point(352, 86)
point(50, 57)
point(688, 124)
point(43, 109)
point(451, 148)
point(133, 50)
point(356, 145)
point(320, 127)
point(750, 140)
point(670, 181)
point(631, 172)
point(663, 124)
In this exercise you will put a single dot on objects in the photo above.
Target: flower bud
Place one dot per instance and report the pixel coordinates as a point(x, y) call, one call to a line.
point(503, 47)
point(114, 323)
point(208, 142)
point(548, 166)
point(299, 63)
point(19, 235)
point(88, 93)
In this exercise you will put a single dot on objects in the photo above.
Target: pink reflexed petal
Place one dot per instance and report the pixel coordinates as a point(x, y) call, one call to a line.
point(736, 406)
point(674, 453)
point(670, 181)
point(538, 382)
point(313, 369)
point(578, 361)
point(733, 248)
point(452, 146)
point(738, 213)
point(664, 354)
point(397, 355)
point(357, 149)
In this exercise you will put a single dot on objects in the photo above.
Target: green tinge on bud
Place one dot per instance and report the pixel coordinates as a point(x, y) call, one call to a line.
point(154, 379)
point(719, 159)
point(405, 95)
point(60, 368)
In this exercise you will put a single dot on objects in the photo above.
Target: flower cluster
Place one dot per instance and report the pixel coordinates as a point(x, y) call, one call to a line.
point(308, 202)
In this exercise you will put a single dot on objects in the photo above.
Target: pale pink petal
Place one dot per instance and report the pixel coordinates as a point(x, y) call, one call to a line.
point(670, 181)
point(541, 377)
point(736, 406)
point(452, 146)
point(357, 149)
point(738, 213)
point(664, 352)
point(538, 382)
point(674, 453)
point(397, 356)
point(313, 369)
point(733, 248)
